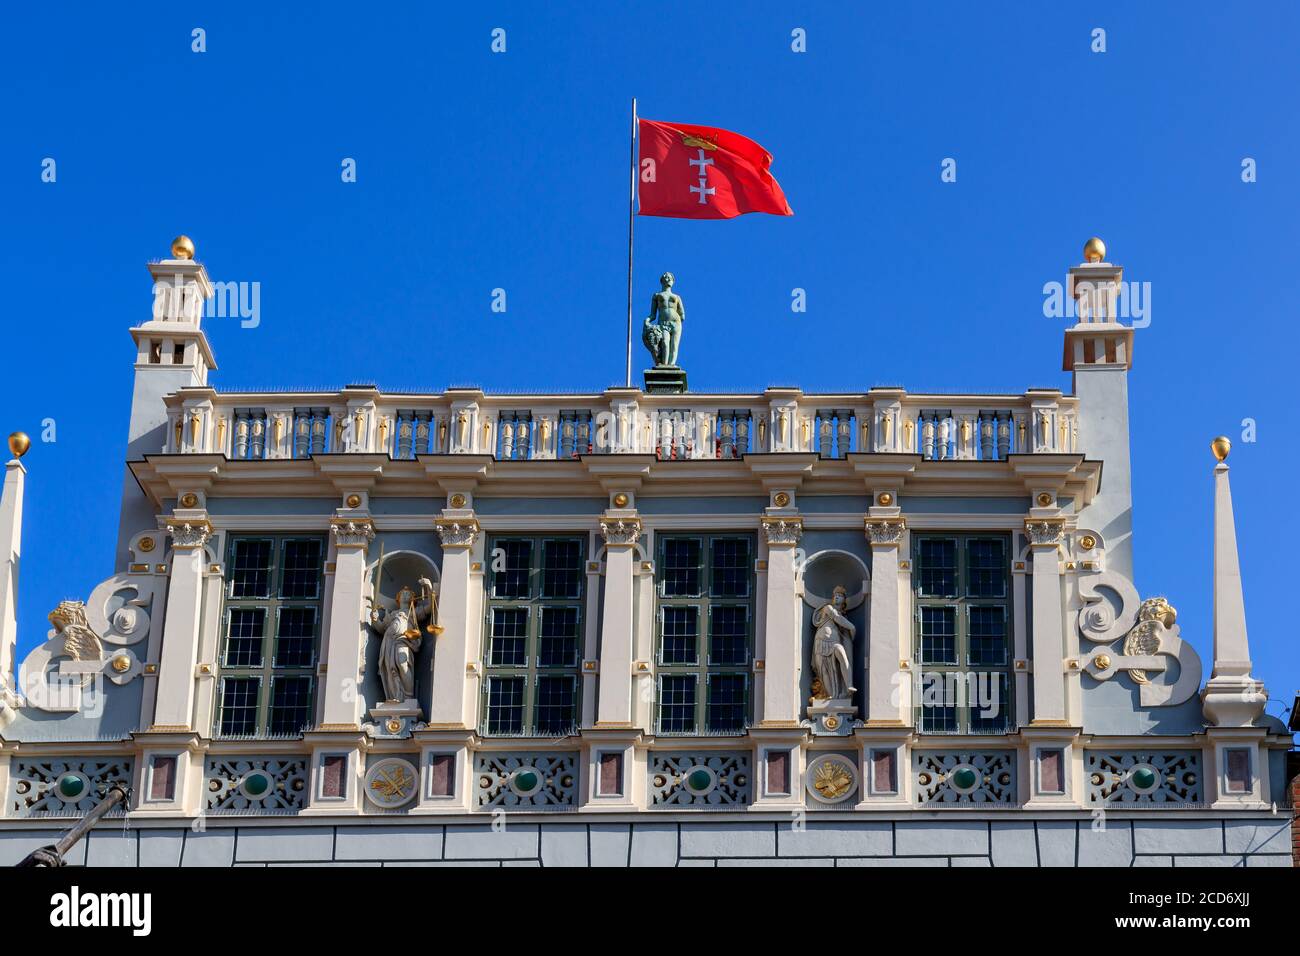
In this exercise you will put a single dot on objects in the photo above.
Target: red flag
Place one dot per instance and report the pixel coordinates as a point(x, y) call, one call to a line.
point(702, 172)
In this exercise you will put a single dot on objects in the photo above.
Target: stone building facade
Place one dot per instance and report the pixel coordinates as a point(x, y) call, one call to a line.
point(632, 628)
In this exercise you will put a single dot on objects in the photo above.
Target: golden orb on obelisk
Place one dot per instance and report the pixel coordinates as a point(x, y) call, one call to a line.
point(182, 248)
point(1094, 250)
point(1221, 446)
point(19, 443)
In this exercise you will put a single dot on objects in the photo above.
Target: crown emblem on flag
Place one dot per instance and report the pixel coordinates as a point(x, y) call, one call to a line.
point(696, 141)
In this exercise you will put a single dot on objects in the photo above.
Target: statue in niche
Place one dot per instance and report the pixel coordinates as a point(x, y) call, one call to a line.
point(832, 653)
point(402, 637)
point(662, 331)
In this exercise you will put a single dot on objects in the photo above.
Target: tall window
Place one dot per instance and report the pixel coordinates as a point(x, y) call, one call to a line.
point(534, 636)
point(271, 635)
point(706, 631)
point(963, 633)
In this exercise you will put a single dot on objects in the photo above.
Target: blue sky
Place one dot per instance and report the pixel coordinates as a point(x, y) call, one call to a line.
point(478, 171)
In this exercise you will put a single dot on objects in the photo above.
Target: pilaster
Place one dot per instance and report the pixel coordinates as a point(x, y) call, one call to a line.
point(621, 529)
point(889, 683)
point(1048, 636)
point(346, 639)
point(455, 668)
point(178, 661)
point(783, 623)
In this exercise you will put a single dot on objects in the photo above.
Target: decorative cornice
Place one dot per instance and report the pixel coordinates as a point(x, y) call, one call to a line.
point(189, 534)
point(620, 531)
point(1045, 532)
point(783, 530)
point(884, 531)
point(457, 532)
point(351, 533)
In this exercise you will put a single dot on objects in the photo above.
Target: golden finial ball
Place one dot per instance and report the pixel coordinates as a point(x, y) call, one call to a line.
point(19, 443)
point(1221, 446)
point(182, 248)
point(1094, 250)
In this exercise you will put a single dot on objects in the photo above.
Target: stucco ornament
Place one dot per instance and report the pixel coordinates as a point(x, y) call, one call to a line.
point(88, 640)
point(1151, 638)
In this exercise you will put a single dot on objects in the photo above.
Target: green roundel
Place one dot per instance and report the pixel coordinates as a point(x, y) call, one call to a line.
point(699, 779)
point(965, 779)
point(71, 786)
point(1144, 778)
point(256, 784)
point(526, 781)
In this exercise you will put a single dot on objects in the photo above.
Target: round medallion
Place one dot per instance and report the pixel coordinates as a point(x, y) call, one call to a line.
point(526, 781)
point(393, 725)
point(1102, 661)
point(390, 783)
point(353, 501)
point(831, 722)
point(256, 784)
point(700, 780)
point(1087, 542)
point(831, 778)
point(458, 501)
point(72, 786)
point(965, 778)
point(121, 663)
point(126, 619)
point(884, 499)
point(621, 500)
point(1044, 499)
point(1143, 778)
point(146, 545)
point(781, 499)
point(189, 500)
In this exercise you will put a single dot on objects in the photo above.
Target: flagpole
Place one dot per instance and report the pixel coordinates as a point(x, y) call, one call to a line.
point(631, 218)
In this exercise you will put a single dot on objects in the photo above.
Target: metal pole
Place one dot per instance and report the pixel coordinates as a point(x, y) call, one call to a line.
point(631, 218)
point(48, 856)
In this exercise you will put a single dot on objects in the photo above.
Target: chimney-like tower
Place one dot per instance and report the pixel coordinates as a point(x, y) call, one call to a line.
point(1099, 351)
point(171, 353)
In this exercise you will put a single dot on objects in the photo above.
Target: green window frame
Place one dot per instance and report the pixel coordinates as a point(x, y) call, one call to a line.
point(270, 635)
point(962, 625)
point(534, 623)
point(704, 645)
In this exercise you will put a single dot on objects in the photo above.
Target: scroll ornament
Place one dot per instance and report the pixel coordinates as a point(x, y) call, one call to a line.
point(1150, 637)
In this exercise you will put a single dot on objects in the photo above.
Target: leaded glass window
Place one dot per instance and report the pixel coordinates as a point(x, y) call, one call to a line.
point(963, 633)
point(271, 635)
point(533, 636)
point(705, 633)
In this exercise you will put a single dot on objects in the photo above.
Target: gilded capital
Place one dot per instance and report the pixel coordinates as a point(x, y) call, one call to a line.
point(884, 532)
point(352, 534)
point(621, 531)
point(457, 532)
point(1045, 532)
point(189, 534)
point(783, 530)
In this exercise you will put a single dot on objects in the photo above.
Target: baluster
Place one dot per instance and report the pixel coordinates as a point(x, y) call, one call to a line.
point(241, 434)
point(927, 436)
point(523, 429)
point(842, 426)
point(727, 426)
point(405, 435)
point(257, 439)
point(986, 436)
point(824, 434)
point(1004, 435)
point(742, 432)
point(319, 429)
point(568, 430)
point(507, 438)
point(420, 435)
